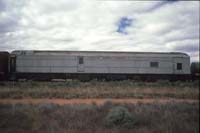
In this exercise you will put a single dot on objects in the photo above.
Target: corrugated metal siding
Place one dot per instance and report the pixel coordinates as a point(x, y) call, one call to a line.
point(127, 65)
point(46, 64)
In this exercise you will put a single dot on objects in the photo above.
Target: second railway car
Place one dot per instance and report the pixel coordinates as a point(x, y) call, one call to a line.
point(4, 67)
point(46, 65)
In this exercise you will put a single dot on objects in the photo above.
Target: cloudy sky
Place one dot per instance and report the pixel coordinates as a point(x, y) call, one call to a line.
point(111, 25)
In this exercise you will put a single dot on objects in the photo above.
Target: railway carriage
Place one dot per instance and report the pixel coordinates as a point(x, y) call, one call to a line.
point(85, 65)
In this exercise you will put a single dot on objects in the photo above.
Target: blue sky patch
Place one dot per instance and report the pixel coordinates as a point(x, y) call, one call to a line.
point(123, 23)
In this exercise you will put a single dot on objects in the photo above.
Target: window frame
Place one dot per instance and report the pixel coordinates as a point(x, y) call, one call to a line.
point(179, 66)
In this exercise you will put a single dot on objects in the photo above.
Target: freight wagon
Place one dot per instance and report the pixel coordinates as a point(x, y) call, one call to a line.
point(86, 65)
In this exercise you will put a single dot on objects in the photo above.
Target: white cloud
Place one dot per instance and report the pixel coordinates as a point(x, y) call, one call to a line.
point(92, 25)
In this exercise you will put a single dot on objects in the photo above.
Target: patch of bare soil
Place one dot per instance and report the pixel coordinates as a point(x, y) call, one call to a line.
point(90, 101)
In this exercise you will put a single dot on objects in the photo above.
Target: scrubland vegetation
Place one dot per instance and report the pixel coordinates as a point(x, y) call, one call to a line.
point(171, 117)
point(106, 118)
point(100, 89)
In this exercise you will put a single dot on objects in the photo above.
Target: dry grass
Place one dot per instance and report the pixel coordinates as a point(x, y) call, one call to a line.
point(100, 89)
point(52, 118)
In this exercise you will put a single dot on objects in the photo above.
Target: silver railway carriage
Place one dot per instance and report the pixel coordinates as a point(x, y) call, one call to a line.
point(45, 65)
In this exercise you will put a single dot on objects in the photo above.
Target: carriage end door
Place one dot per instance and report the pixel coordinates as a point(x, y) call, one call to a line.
point(80, 62)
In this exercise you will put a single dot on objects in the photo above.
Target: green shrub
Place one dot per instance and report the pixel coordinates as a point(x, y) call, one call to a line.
point(119, 116)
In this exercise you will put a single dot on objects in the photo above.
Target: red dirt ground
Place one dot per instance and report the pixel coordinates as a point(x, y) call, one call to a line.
point(90, 101)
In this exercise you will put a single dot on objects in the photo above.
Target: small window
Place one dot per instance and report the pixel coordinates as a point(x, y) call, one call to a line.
point(80, 61)
point(154, 64)
point(179, 66)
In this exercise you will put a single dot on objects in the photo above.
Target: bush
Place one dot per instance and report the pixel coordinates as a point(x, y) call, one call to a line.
point(119, 116)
